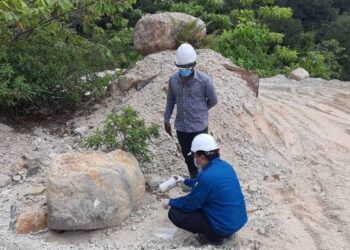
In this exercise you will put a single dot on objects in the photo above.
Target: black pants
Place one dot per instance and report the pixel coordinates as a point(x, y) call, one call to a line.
point(194, 222)
point(185, 140)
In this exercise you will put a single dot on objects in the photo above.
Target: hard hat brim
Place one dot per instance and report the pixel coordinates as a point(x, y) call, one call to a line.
point(186, 66)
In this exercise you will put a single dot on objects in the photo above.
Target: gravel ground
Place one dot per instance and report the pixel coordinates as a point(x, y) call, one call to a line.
point(290, 148)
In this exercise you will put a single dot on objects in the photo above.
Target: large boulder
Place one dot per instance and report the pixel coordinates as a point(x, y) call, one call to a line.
point(299, 74)
point(157, 32)
point(91, 191)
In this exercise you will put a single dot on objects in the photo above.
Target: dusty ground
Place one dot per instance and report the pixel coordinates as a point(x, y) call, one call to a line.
point(290, 148)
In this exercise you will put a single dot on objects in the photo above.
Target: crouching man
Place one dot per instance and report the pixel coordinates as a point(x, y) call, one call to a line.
point(215, 208)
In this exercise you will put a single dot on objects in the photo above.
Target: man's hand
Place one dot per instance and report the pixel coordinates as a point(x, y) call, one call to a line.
point(165, 204)
point(179, 179)
point(167, 127)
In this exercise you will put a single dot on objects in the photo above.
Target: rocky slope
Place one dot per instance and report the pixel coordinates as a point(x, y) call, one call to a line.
point(290, 148)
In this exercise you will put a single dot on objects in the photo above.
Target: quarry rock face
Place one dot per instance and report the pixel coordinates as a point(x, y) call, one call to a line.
point(93, 190)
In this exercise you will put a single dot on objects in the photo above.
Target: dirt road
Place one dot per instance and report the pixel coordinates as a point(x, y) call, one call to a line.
point(310, 123)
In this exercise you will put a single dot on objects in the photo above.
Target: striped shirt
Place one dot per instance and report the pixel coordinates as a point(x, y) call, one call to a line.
point(193, 99)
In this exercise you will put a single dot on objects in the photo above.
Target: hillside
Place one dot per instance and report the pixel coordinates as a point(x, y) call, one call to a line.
point(290, 148)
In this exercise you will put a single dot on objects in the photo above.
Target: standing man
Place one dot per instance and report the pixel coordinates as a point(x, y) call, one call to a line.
point(215, 208)
point(194, 94)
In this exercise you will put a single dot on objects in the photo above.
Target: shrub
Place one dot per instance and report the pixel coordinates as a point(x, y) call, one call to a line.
point(45, 64)
point(314, 63)
point(119, 44)
point(191, 8)
point(285, 56)
point(248, 45)
point(217, 22)
point(191, 33)
point(125, 131)
point(333, 53)
point(13, 89)
point(47, 70)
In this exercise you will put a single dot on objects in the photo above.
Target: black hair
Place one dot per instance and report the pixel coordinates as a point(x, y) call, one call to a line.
point(209, 155)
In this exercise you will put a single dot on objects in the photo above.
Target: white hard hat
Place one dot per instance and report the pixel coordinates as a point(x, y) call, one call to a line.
point(185, 54)
point(203, 142)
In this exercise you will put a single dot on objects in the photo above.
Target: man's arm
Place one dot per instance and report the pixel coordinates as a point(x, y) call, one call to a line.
point(170, 103)
point(190, 182)
point(193, 200)
point(210, 93)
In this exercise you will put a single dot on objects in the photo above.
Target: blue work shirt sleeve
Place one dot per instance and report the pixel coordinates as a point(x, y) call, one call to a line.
point(193, 200)
point(190, 182)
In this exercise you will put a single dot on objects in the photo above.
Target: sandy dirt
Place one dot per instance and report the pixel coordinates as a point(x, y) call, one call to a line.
point(290, 148)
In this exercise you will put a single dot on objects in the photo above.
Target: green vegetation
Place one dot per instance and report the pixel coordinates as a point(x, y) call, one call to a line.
point(50, 51)
point(125, 131)
point(271, 36)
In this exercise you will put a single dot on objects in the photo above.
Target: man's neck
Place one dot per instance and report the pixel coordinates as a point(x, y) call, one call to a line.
point(185, 79)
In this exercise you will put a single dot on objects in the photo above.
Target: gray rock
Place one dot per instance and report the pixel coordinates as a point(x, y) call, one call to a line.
point(91, 191)
point(33, 167)
point(153, 181)
point(33, 191)
point(81, 131)
point(16, 177)
point(38, 141)
point(157, 32)
point(299, 74)
point(4, 180)
point(92, 240)
point(5, 128)
point(125, 82)
point(252, 187)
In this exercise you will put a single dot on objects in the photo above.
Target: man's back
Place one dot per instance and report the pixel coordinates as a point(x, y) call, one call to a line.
point(224, 206)
point(217, 192)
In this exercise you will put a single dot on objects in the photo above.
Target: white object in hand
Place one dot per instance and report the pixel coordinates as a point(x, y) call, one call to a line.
point(180, 179)
point(169, 184)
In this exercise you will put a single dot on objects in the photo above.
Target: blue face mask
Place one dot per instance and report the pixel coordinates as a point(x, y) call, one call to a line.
point(185, 72)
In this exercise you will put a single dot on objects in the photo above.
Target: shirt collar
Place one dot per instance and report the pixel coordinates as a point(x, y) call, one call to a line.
point(210, 163)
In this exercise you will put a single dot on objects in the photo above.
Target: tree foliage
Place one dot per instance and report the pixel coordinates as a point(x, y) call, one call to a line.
point(21, 17)
point(340, 30)
point(51, 50)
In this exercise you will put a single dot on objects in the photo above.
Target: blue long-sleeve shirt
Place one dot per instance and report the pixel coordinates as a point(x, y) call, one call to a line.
point(216, 191)
point(193, 99)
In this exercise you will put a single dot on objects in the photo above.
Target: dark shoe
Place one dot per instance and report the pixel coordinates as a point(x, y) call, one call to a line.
point(202, 239)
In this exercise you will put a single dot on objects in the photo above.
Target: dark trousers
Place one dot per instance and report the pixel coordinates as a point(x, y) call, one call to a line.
point(185, 140)
point(194, 222)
